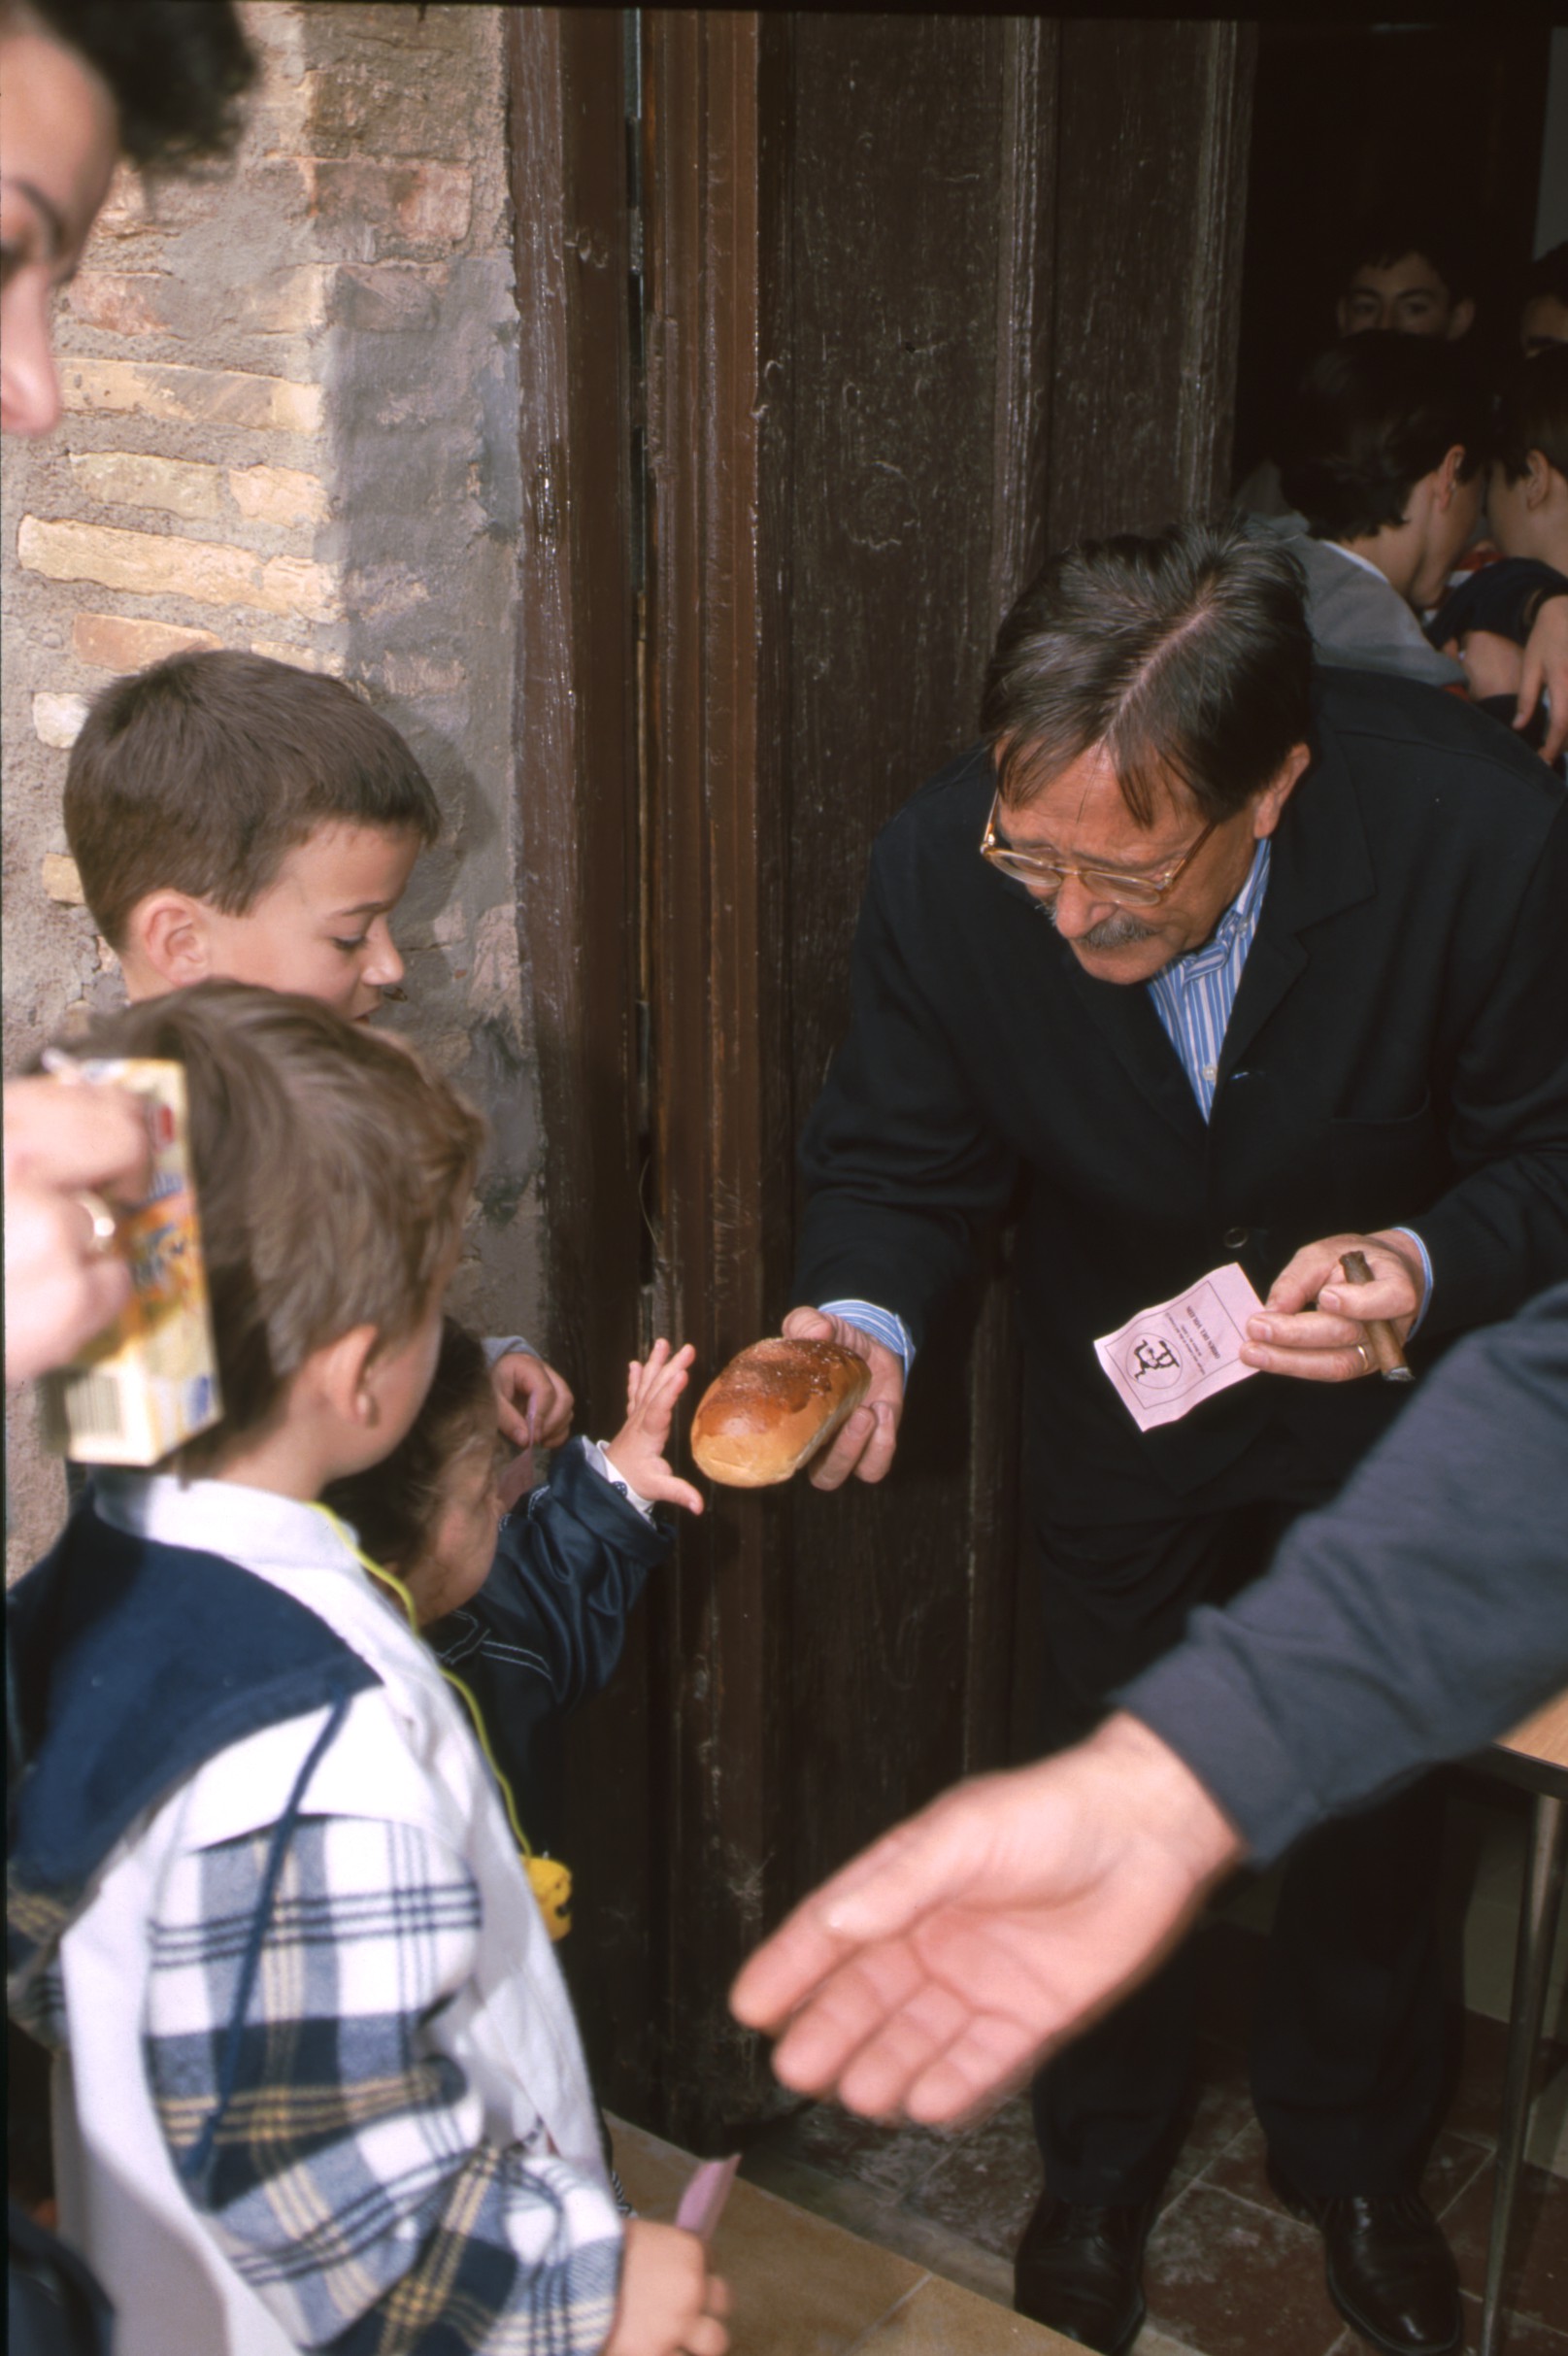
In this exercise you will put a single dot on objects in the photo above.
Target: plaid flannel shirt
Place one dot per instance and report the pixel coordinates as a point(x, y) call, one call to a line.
point(318, 2047)
point(349, 2180)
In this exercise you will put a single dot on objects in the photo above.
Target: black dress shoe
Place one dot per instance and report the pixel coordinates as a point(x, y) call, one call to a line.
point(1390, 2272)
point(1081, 2271)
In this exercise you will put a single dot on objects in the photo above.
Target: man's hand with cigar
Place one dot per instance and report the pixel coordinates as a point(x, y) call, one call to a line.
point(1314, 1323)
point(1314, 1329)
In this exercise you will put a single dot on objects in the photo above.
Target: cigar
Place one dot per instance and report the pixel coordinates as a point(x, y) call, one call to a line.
point(1380, 1337)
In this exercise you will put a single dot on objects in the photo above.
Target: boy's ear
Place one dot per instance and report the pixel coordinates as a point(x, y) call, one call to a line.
point(342, 1374)
point(1448, 475)
point(1538, 477)
point(170, 934)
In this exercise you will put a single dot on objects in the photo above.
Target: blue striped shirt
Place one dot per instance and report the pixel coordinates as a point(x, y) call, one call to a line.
point(1194, 997)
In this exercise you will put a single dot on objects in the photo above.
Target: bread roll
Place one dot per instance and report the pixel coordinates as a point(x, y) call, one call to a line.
point(773, 1407)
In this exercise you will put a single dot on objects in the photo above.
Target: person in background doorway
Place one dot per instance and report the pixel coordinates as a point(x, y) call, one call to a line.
point(1399, 273)
point(1381, 459)
point(1489, 617)
point(1409, 276)
point(1384, 460)
point(1543, 317)
point(1527, 488)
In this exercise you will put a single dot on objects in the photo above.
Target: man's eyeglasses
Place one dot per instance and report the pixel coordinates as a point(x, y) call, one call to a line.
point(1100, 883)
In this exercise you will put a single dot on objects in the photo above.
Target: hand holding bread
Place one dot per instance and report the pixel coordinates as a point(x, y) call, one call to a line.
point(773, 1407)
point(834, 1403)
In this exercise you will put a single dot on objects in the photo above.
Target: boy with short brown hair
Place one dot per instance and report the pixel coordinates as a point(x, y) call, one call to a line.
point(323, 2078)
point(233, 818)
point(236, 819)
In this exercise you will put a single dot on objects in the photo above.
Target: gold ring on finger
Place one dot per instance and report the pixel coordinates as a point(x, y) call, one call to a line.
point(105, 1226)
point(1365, 1357)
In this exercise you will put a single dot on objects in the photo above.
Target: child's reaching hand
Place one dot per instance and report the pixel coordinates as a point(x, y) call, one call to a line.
point(636, 1451)
point(669, 2300)
point(533, 1403)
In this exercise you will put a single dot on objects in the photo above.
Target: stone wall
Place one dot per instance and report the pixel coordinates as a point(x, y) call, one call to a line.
point(292, 424)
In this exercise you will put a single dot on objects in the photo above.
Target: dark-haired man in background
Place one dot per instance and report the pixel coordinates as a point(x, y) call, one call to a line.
point(1396, 273)
point(1407, 275)
point(1301, 987)
point(1382, 458)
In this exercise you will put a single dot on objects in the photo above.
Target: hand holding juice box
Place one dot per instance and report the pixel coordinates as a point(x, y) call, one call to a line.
point(149, 1382)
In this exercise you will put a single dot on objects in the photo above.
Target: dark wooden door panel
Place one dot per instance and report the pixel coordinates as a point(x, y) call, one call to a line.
point(1150, 149)
point(716, 1201)
point(921, 293)
point(576, 722)
point(900, 251)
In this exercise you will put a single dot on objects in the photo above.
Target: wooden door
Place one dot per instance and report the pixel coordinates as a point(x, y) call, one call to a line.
point(578, 722)
point(918, 293)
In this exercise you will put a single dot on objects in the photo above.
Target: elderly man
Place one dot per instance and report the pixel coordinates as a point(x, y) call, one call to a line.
point(1300, 988)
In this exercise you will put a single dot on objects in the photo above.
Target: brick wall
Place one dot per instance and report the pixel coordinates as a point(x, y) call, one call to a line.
point(291, 407)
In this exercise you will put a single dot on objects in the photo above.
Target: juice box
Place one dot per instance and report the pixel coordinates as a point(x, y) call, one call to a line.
point(149, 1382)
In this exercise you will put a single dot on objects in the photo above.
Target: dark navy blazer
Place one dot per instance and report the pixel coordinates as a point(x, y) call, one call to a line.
point(1397, 1054)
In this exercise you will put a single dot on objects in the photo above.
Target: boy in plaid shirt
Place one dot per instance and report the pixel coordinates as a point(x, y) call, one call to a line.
point(321, 2085)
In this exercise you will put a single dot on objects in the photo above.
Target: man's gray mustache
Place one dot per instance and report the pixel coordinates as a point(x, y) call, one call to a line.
point(1111, 932)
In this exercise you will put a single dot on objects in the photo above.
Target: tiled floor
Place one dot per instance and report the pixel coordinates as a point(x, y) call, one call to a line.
point(1229, 2273)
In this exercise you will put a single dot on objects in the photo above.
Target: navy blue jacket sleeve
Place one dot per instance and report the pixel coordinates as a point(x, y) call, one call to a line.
point(1422, 1614)
point(547, 1627)
point(1503, 597)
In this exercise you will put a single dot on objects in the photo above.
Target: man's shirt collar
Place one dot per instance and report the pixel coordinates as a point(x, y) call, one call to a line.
point(1239, 922)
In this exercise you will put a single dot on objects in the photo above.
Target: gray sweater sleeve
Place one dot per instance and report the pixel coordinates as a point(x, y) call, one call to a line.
point(1422, 1614)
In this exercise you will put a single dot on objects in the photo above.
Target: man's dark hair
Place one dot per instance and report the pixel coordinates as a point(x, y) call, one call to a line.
point(1186, 656)
point(1379, 239)
point(395, 1506)
point(1533, 415)
point(199, 774)
point(175, 69)
point(1549, 276)
point(1372, 416)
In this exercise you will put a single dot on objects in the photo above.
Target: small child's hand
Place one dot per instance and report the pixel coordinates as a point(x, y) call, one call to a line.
point(669, 2301)
point(522, 1381)
point(636, 1451)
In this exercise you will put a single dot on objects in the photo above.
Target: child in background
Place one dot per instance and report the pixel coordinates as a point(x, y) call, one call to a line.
point(1382, 454)
point(324, 2080)
point(1544, 310)
point(235, 819)
point(532, 1621)
point(1490, 616)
